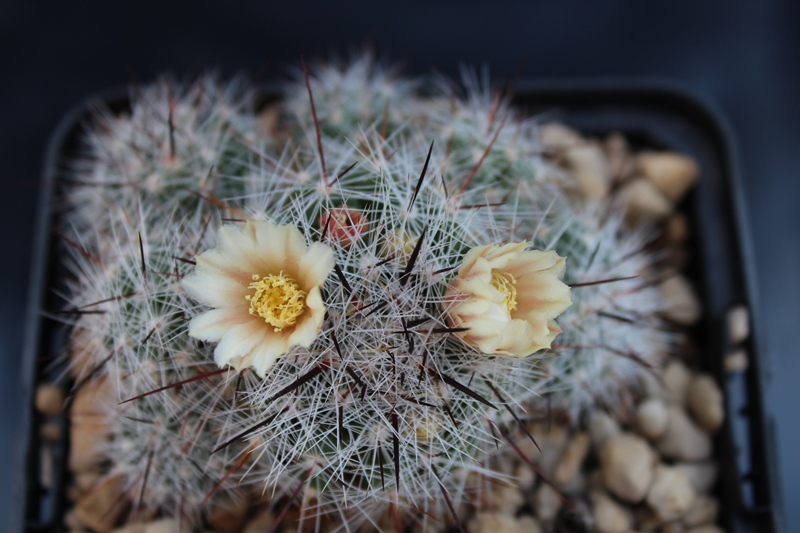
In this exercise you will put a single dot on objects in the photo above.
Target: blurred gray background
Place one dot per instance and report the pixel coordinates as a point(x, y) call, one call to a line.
point(742, 56)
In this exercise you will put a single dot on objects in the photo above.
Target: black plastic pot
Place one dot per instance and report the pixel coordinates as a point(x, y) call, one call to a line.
point(649, 115)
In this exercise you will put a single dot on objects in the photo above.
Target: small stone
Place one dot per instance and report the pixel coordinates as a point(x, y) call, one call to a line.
point(494, 523)
point(705, 401)
point(736, 361)
point(588, 166)
point(676, 380)
point(671, 494)
point(643, 201)
point(229, 515)
point(602, 427)
point(575, 486)
point(504, 499)
point(738, 324)
point(609, 516)
point(626, 462)
point(528, 524)
point(100, 508)
point(557, 136)
point(525, 475)
point(682, 305)
point(88, 426)
point(546, 503)
point(704, 510)
point(677, 229)
point(49, 399)
point(51, 431)
point(683, 440)
point(572, 459)
point(260, 523)
point(651, 418)
point(701, 475)
point(551, 441)
point(672, 173)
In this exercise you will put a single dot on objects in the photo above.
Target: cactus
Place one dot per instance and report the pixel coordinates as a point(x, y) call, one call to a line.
point(388, 410)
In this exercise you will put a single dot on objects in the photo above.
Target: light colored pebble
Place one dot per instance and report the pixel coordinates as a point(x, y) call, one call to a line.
point(577, 485)
point(626, 462)
point(100, 508)
point(676, 379)
point(684, 440)
point(702, 475)
point(671, 494)
point(551, 441)
point(504, 499)
point(546, 503)
point(680, 300)
point(572, 458)
point(588, 166)
point(528, 524)
point(88, 428)
point(558, 136)
point(704, 510)
point(51, 431)
point(49, 399)
point(738, 324)
point(643, 201)
point(87, 436)
point(602, 427)
point(525, 475)
point(494, 523)
point(651, 418)
point(736, 361)
point(609, 516)
point(672, 173)
point(705, 402)
point(260, 523)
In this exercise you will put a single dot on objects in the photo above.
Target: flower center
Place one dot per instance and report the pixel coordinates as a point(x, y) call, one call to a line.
point(276, 299)
point(504, 282)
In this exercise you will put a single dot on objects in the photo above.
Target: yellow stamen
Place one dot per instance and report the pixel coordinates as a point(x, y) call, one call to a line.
point(504, 282)
point(276, 299)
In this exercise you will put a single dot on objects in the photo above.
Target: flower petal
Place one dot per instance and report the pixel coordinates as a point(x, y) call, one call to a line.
point(212, 325)
point(239, 342)
point(215, 290)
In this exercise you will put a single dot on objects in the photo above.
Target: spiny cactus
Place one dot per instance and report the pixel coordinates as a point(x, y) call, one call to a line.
point(175, 137)
point(390, 407)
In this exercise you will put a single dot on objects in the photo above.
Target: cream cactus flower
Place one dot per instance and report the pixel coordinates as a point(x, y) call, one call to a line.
point(263, 282)
point(509, 298)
